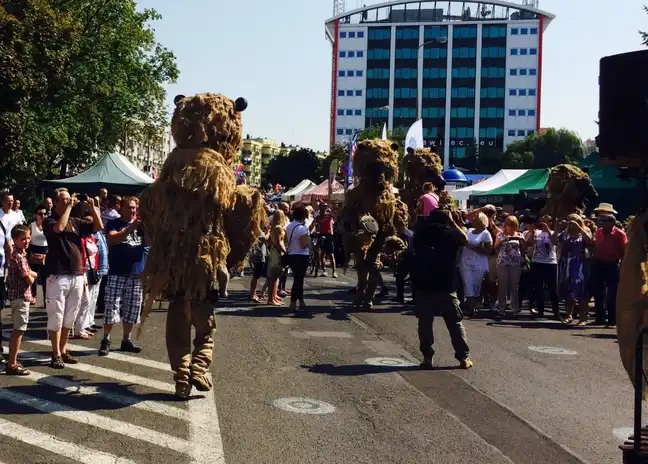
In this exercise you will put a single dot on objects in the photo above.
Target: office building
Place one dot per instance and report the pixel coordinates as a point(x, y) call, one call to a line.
point(471, 70)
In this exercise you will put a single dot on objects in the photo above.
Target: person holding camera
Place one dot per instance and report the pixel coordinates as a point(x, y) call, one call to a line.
point(64, 267)
point(437, 240)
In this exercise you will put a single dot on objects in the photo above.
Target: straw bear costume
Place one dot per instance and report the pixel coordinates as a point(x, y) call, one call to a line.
point(190, 214)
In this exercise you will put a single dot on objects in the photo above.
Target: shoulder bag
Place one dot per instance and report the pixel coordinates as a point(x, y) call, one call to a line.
point(285, 260)
point(93, 274)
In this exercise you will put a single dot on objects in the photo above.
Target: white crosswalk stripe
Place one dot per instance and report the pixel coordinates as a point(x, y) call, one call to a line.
point(203, 444)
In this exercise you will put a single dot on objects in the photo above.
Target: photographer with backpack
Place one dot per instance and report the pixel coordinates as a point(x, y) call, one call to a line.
point(437, 241)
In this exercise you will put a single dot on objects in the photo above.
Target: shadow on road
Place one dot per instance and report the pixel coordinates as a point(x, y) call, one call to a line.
point(351, 370)
point(602, 336)
point(531, 325)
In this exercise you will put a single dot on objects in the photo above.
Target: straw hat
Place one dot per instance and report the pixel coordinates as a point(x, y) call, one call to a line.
point(605, 208)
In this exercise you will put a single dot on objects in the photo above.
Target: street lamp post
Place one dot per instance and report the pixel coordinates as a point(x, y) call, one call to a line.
point(438, 40)
point(383, 108)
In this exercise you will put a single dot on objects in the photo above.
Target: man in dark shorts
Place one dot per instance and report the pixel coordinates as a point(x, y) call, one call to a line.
point(325, 224)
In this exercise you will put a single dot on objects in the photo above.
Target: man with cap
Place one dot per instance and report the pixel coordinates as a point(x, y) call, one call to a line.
point(609, 247)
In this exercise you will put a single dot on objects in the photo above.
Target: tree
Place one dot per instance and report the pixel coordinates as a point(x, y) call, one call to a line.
point(544, 150)
point(76, 77)
point(290, 169)
point(644, 35)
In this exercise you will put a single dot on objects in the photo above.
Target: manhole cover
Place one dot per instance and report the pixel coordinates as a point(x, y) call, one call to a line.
point(304, 406)
point(623, 433)
point(552, 350)
point(388, 362)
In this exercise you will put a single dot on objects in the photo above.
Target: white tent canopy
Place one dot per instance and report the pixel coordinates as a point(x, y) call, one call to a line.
point(500, 178)
point(297, 190)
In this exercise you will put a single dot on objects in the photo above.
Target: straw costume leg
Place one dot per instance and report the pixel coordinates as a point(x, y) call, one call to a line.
point(204, 321)
point(178, 342)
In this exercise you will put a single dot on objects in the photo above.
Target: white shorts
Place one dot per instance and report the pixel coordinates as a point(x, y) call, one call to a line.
point(472, 281)
point(63, 300)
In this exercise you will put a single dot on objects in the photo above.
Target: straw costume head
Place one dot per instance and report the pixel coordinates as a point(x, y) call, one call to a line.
point(421, 165)
point(568, 191)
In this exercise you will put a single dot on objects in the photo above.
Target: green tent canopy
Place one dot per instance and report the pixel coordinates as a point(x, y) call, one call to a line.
point(533, 180)
point(604, 177)
point(113, 172)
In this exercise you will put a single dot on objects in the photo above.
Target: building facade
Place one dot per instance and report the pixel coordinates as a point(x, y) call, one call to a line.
point(472, 71)
point(149, 157)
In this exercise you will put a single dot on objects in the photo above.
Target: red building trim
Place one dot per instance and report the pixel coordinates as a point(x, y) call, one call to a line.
point(336, 39)
point(540, 54)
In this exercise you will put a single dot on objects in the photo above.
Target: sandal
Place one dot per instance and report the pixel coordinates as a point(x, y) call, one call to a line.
point(69, 359)
point(17, 369)
point(57, 363)
point(82, 336)
point(568, 320)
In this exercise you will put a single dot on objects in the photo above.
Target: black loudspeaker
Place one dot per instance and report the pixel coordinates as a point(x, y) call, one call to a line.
point(623, 110)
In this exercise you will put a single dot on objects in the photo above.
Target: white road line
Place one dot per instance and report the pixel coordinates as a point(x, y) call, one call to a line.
point(204, 431)
point(81, 389)
point(56, 445)
point(95, 420)
point(113, 355)
point(121, 376)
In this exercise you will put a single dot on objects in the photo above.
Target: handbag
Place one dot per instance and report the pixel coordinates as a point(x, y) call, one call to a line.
point(93, 274)
point(37, 259)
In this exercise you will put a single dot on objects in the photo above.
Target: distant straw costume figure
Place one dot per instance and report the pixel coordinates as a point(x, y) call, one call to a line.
point(421, 165)
point(632, 296)
point(186, 213)
point(568, 191)
point(369, 211)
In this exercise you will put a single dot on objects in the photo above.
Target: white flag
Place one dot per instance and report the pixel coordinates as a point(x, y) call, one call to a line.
point(414, 138)
point(384, 132)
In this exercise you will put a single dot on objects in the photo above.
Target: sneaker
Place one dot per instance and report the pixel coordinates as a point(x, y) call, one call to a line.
point(104, 349)
point(466, 364)
point(335, 276)
point(130, 347)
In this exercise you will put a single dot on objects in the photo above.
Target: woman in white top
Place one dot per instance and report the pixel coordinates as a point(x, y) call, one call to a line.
point(38, 249)
point(298, 251)
point(474, 260)
point(544, 265)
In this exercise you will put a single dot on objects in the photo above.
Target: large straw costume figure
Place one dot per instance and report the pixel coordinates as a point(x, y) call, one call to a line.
point(421, 165)
point(187, 214)
point(632, 296)
point(568, 190)
point(369, 211)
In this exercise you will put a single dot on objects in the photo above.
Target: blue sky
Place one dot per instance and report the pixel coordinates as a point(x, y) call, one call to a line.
point(275, 55)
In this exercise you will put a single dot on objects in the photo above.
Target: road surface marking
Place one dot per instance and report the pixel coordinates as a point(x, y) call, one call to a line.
point(204, 431)
point(113, 355)
point(552, 350)
point(116, 375)
point(95, 420)
point(303, 406)
point(389, 362)
point(126, 400)
point(623, 433)
point(317, 334)
point(57, 446)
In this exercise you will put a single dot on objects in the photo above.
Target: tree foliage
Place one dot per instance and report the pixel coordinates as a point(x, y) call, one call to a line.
point(290, 169)
point(544, 150)
point(76, 76)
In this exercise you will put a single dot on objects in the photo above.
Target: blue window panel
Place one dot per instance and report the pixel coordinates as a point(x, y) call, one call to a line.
point(351, 54)
point(436, 32)
point(342, 54)
point(524, 51)
point(453, 132)
point(349, 73)
point(341, 73)
point(358, 93)
point(360, 73)
point(352, 35)
point(491, 132)
point(357, 112)
point(512, 92)
point(349, 132)
point(530, 132)
point(522, 92)
point(459, 152)
point(515, 31)
point(533, 51)
point(511, 133)
point(514, 51)
point(513, 72)
point(521, 133)
point(523, 72)
point(349, 93)
point(340, 93)
point(531, 113)
point(533, 31)
point(533, 72)
point(521, 112)
point(360, 54)
point(532, 92)
point(511, 112)
point(349, 112)
point(343, 36)
point(482, 133)
point(524, 31)
point(434, 73)
point(435, 52)
point(340, 131)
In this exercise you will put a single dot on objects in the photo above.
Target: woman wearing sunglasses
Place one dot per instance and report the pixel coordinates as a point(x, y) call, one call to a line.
point(38, 249)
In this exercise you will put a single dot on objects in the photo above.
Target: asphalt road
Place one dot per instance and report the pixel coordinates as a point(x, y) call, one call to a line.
point(293, 390)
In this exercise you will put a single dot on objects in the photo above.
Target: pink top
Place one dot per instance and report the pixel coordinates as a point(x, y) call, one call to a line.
point(430, 202)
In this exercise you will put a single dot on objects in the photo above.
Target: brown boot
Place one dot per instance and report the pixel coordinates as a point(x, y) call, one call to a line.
point(182, 390)
point(201, 382)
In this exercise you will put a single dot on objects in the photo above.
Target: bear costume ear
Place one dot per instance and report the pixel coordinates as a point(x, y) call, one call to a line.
point(240, 105)
point(394, 146)
point(177, 99)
